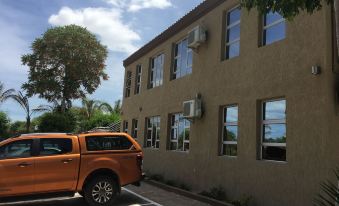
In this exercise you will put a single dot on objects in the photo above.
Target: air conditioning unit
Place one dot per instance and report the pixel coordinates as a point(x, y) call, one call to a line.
point(192, 109)
point(196, 37)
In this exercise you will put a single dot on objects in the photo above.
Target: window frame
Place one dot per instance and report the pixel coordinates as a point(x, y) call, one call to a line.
point(176, 128)
point(264, 122)
point(225, 124)
point(265, 27)
point(138, 76)
point(135, 129)
point(33, 149)
point(152, 83)
point(176, 57)
point(40, 140)
point(108, 136)
point(227, 29)
point(128, 84)
point(125, 126)
point(147, 139)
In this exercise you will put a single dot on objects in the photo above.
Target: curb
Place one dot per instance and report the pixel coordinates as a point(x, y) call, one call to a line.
point(187, 193)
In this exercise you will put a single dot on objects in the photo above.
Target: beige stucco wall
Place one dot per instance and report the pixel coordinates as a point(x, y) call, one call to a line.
point(282, 69)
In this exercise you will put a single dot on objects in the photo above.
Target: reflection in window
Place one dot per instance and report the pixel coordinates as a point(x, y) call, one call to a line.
point(233, 33)
point(230, 131)
point(156, 72)
point(274, 130)
point(180, 133)
point(274, 28)
point(138, 79)
point(135, 128)
point(17, 149)
point(97, 143)
point(182, 60)
point(125, 126)
point(128, 83)
point(55, 146)
point(153, 132)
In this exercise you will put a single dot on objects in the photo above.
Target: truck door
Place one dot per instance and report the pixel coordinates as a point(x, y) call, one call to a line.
point(57, 165)
point(17, 168)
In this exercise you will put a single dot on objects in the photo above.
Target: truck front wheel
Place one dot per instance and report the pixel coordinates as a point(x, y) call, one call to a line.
point(101, 191)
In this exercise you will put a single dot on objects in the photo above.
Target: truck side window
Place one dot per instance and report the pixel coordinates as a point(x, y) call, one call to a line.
point(56, 146)
point(17, 149)
point(97, 143)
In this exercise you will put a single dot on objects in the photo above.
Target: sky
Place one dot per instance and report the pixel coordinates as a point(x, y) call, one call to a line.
point(122, 25)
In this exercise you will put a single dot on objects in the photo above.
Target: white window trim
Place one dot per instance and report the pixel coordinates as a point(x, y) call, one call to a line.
point(135, 129)
point(270, 121)
point(156, 133)
point(176, 127)
point(138, 79)
point(156, 70)
point(228, 27)
point(178, 59)
point(224, 124)
point(128, 84)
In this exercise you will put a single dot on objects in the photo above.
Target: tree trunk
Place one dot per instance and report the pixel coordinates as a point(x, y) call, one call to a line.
point(28, 124)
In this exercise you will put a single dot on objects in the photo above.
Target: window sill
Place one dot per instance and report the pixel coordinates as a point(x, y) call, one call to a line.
point(228, 157)
point(178, 151)
point(273, 161)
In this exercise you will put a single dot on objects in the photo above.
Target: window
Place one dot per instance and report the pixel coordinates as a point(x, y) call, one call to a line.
point(125, 126)
point(98, 143)
point(128, 83)
point(138, 79)
point(273, 141)
point(183, 57)
point(153, 132)
point(17, 149)
point(230, 131)
point(233, 33)
point(180, 133)
point(135, 128)
point(274, 28)
point(55, 146)
point(156, 73)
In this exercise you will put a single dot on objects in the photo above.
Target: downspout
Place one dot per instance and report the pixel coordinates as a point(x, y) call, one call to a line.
point(336, 26)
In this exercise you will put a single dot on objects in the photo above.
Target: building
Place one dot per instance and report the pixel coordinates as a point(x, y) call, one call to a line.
point(270, 127)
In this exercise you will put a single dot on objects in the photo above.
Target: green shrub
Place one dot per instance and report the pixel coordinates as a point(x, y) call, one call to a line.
point(171, 183)
point(57, 122)
point(99, 120)
point(17, 127)
point(4, 124)
point(184, 187)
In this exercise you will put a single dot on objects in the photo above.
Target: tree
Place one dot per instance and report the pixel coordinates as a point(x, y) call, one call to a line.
point(67, 62)
point(22, 100)
point(106, 107)
point(4, 121)
point(290, 9)
point(89, 107)
point(4, 94)
point(57, 122)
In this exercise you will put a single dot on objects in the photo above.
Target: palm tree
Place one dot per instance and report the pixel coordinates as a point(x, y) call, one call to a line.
point(89, 106)
point(104, 106)
point(4, 94)
point(330, 192)
point(24, 103)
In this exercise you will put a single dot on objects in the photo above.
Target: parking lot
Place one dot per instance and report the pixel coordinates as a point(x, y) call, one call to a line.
point(146, 195)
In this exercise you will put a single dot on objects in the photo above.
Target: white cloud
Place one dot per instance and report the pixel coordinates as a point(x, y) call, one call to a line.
point(104, 22)
point(136, 5)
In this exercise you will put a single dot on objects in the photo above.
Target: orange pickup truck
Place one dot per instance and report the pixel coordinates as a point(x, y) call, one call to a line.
point(96, 165)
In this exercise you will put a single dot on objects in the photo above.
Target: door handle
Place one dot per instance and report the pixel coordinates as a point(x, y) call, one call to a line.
point(24, 164)
point(66, 161)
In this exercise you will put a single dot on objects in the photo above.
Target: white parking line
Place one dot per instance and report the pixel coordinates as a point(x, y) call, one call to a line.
point(141, 197)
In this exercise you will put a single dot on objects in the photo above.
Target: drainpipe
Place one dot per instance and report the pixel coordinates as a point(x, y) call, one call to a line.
point(336, 24)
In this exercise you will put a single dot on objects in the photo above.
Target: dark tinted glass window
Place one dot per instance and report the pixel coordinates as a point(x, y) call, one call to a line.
point(97, 143)
point(18, 149)
point(55, 146)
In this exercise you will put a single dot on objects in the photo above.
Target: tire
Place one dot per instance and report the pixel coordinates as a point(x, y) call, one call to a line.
point(101, 191)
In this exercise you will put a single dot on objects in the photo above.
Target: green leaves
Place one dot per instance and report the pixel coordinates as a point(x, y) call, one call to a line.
point(330, 192)
point(287, 8)
point(66, 63)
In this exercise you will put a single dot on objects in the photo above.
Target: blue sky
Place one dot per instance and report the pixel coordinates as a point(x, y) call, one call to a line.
point(122, 25)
